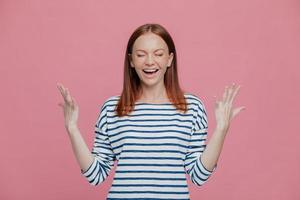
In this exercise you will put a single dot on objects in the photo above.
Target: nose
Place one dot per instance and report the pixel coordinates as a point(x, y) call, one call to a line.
point(149, 60)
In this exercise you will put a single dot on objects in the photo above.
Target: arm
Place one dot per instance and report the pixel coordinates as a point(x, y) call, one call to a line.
point(211, 154)
point(95, 165)
point(103, 154)
point(80, 149)
point(224, 114)
point(198, 172)
point(71, 113)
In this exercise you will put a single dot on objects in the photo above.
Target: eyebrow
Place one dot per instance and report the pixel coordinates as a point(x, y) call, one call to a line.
point(154, 51)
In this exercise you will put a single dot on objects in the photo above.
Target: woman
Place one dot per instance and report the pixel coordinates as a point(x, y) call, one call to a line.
point(155, 130)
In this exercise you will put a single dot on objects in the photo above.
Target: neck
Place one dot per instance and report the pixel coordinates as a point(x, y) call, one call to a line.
point(154, 94)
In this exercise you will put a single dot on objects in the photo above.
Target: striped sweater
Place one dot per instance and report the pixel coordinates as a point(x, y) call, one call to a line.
point(155, 146)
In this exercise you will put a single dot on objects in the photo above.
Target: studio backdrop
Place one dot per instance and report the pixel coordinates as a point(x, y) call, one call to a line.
point(81, 44)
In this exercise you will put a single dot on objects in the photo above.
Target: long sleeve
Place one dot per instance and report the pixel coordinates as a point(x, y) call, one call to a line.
point(102, 151)
point(193, 165)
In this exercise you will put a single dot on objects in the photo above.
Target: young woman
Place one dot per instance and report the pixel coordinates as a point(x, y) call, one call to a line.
point(154, 130)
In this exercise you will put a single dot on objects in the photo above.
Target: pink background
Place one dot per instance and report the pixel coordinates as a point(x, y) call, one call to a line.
point(81, 44)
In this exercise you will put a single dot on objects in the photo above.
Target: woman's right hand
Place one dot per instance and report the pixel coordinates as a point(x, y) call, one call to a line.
point(70, 107)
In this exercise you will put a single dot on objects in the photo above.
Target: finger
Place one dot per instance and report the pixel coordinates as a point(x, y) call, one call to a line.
point(231, 91)
point(65, 91)
point(235, 92)
point(74, 102)
point(58, 84)
point(225, 93)
point(63, 88)
point(68, 96)
point(237, 111)
point(217, 104)
point(232, 87)
point(65, 95)
point(216, 101)
point(62, 91)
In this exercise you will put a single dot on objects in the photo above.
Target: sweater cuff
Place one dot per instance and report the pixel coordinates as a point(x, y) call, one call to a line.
point(90, 169)
point(204, 169)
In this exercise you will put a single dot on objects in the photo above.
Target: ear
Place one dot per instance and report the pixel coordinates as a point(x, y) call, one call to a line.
point(171, 56)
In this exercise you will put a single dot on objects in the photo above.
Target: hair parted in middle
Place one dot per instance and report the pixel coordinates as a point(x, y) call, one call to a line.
point(131, 82)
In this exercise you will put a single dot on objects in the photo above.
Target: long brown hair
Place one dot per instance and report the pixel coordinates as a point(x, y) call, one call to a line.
point(131, 82)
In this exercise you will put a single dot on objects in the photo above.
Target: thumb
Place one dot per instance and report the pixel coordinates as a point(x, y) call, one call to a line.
point(237, 110)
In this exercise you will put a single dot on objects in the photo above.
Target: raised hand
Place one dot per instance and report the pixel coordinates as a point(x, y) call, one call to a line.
point(70, 107)
point(224, 111)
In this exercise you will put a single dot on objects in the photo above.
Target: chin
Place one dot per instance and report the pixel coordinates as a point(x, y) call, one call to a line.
point(150, 83)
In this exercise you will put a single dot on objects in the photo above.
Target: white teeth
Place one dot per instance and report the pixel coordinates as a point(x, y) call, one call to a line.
point(149, 70)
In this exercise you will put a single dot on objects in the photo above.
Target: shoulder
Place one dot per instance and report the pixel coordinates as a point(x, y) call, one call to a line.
point(194, 100)
point(110, 102)
point(200, 114)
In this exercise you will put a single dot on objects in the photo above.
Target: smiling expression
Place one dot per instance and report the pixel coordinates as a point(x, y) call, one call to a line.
point(150, 58)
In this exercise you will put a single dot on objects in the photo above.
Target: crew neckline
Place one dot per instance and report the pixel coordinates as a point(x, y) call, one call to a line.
point(145, 103)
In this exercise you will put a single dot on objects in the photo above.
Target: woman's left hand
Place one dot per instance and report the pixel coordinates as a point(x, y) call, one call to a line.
point(224, 111)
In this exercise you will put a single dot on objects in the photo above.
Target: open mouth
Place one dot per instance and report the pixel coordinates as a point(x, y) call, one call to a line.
point(152, 71)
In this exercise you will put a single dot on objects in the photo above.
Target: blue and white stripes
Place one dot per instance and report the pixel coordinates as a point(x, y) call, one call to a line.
point(155, 146)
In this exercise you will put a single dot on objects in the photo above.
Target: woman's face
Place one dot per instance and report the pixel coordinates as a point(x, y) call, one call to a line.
point(150, 58)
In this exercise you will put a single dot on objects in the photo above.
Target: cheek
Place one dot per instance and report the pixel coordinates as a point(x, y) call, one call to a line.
point(138, 62)
point(163, 60)
point(164, 70)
